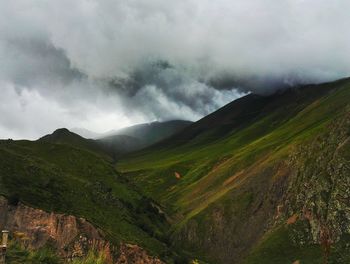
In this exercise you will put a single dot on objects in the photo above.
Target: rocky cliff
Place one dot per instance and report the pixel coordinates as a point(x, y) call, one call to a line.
point(72, 237)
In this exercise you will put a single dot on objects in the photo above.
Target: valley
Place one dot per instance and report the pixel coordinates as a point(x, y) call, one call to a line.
point(264, 179)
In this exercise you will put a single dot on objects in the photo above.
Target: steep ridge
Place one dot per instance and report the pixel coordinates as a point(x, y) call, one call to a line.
point(224, 180)
point(245, 110)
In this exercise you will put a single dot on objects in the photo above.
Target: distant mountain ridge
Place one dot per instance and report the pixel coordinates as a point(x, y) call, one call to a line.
point(118, 145)
point(121, 141)
point(150, 133)
point(167, 128)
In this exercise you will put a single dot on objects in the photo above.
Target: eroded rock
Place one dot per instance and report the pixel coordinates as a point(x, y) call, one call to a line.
point(71, 236)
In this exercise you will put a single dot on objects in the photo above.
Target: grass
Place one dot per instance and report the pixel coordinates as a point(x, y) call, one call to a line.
point(277, 247)
point(17, 254)
point(92, 258)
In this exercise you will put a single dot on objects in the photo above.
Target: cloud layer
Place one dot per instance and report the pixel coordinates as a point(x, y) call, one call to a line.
point(107, 64)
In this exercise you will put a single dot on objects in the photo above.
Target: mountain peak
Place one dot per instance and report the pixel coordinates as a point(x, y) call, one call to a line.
point(59, 135)
point(62, 131)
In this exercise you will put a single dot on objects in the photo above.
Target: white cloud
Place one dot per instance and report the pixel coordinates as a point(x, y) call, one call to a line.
point(27, 114)
point(59, 55)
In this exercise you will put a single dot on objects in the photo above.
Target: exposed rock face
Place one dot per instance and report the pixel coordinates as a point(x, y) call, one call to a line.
point(320, 188)
point(72, 237)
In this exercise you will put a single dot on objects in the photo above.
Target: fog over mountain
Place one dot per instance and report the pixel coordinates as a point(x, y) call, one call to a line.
point(106, 64)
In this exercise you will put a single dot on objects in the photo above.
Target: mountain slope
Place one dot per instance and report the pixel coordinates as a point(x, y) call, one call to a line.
point(66, 179)
point(225, 179)
point(246, 110)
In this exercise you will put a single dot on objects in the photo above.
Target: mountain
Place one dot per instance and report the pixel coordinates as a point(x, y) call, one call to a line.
point(247, 110)
point(110, 147)
point(262, 180)
point(64, 136)
point(116, 143)
point(150, 133)
point(265, 179)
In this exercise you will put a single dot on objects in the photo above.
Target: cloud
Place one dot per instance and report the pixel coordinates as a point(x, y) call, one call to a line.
point(305, 39)
point(106, 64)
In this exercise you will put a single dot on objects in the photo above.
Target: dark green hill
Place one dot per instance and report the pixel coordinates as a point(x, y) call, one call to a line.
point(110, 147)
point(64, 136)
point(67, 179)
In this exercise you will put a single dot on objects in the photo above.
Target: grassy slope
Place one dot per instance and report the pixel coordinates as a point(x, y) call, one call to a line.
point(211, 169)
point(62, 178)
point(203, 165)
point(277, 247)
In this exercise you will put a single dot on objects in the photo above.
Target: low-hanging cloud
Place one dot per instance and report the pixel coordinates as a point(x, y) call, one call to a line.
point(106, 64)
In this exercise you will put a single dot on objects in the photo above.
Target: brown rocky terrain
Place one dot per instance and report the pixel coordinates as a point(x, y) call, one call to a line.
point(72, 237)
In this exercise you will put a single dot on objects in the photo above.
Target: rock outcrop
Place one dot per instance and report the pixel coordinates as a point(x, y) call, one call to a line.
point(319, 192)
point(72, 237)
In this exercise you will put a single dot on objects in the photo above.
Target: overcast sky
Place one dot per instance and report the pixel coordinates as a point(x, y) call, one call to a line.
point(107, 64)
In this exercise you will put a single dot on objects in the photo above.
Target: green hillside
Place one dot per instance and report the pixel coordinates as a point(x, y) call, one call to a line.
point(240, 163)
point(64, 178)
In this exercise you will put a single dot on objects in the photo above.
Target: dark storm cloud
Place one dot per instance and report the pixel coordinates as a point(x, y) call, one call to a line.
point(257, 84)
point(40, 62)
point(106, 64)
point(161, 90)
